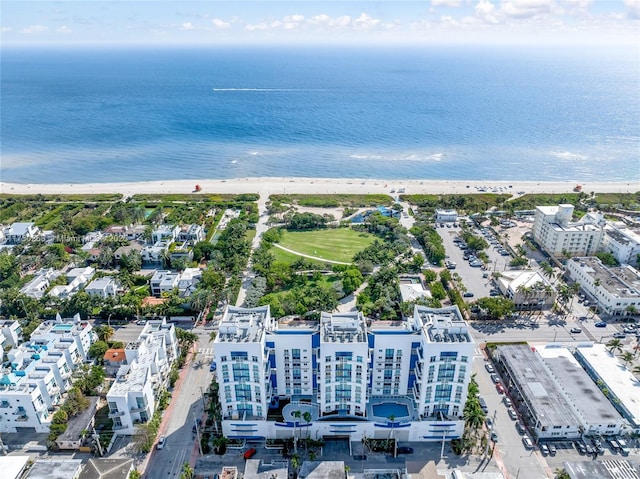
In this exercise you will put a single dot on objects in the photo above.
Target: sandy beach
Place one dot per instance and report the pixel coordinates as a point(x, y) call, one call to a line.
point(270, 185)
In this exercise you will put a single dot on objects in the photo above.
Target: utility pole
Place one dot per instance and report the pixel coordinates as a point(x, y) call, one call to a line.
point(96, 438)
point(195, 424)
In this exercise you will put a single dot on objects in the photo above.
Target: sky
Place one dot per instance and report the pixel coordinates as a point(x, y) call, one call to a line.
point(213, 22)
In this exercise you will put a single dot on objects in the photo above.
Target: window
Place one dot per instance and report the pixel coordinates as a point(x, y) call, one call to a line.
point(359, 359)
point(432, 359)
point(464, 359)
point(254, 359)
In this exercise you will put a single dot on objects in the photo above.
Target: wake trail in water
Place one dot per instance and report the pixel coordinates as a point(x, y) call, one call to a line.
point(267, 89)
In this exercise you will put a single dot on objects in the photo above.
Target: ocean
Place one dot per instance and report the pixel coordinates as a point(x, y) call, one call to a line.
point(81, 115)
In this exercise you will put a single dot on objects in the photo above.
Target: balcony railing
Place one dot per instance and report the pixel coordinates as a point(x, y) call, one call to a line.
point(139, 409)
point(22, 418)
point(116, 413)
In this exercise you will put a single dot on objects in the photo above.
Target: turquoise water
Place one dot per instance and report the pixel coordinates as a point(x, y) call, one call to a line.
point(497, 113)
point(388, 409)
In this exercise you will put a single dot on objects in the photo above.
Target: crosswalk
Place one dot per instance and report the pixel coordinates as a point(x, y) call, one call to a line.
point(207, 352)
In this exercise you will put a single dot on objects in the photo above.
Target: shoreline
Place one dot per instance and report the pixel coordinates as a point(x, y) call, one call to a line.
point(297, 185)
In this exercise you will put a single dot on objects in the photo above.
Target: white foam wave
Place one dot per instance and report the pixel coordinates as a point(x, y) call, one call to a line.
point(567, 155)
point(262, 89)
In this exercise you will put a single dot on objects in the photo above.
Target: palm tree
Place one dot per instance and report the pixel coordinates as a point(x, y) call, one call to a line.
point(307, 419)
point(631, 310)
point(297, 414)
point(187, 471)
point(614, 345)
point(104, 332)
point(636, 370)
point(626, 357)
point(473, 415)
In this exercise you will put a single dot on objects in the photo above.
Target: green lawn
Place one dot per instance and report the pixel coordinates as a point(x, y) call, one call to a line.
point(283, 256)
point(332, 244)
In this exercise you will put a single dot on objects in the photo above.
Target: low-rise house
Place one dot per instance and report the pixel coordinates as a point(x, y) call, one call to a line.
point(133, 247)
point(134, 394)
point(103, 287)
point(155, 253)
point(77, 278)
point(446, 216)
point(20, 232)
point(132, 232)
point(37, 287)
point(57, 468)
point(181, 250)
point(615, 290)
point(78, 427)
point(163, 281)
point(412, 288)
point(527, 289)
point(113, 359)
point(165, 233)
point(191, 233)
point(101, 468)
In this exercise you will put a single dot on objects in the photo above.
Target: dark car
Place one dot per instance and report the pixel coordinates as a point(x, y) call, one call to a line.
point(544, 449)
point(600, 324)
point(404, 450)
point(581, 447)
point(360, 457)
point(468, 294)
point(495, 378)
point(249, 453)
point(494, 436)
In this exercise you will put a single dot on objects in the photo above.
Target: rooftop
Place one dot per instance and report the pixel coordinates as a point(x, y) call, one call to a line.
point(79, 423)
point(537, 385)
point(246, 325)
point(342, 327)
point(617, 378)
point(55, 468)
point(106, 469)
point(587, 398)
point(115, 355)
point(442, 325)
point(620, 281)
point(258, 469)
point(322, 470)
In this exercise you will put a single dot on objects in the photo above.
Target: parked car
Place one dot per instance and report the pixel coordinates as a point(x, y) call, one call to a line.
point(495, 378)
point(360, 457)
point(161, 442)
point(613, 444)
point(506, 401)
point(494, 436)
point(520, 428)
point(249, 453)
point(500, 388)
point(512, 413)
point(488, 421)
point(489, 367)
point(552, 449)
point(483, 405)
point(590, 450)
point(619, 335)
point(544, 449)
point(404, 450)
point(468, 294)
point(580, 447)
point(575, 330)
point(528, 443)
point(600, 324)
point(213, 366)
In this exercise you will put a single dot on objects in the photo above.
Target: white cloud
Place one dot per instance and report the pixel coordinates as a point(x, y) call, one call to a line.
point(445, 3)
point(486, 12)
point(64, 29)
point(527, 8)
point(256, 27)
point(221, 24)
point(187, 26)
point(34, 29)
point(366, 22)
point(6, 29)
point(633, 8)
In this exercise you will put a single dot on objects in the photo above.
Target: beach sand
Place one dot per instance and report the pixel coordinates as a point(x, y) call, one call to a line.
point(270, 185)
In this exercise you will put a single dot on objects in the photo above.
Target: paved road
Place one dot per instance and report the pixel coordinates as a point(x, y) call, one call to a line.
point(186, 404)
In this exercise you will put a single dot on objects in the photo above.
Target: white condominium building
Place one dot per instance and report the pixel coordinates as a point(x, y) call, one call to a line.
point(39, 372)
point(558, 235)
point(144, 375)
point(622, 243)
point(616, 290)
point(411, 375)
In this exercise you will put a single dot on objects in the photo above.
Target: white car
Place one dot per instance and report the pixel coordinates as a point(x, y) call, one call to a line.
point(161, 442)
point(528, 443)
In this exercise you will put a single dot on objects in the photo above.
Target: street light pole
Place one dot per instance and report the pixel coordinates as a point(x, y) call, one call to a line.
point(195, 423)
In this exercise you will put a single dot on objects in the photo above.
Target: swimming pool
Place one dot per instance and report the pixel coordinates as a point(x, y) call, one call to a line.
point(388, 409)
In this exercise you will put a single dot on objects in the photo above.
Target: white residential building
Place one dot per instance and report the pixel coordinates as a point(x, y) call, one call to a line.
point(11, 332)
point(191, 233)
point(164, 281)
point(132, 232)
point(558, 235)
point(614, 289)
point(154, 254)
point(103, 287)
point(622, 243)
point(165, 233)
point(446, 216)
point(352, 376)
point(77, 278)
point(527, 289)
point(134, 394)
point(19, 232)
point(39, 284)
point(39, 372)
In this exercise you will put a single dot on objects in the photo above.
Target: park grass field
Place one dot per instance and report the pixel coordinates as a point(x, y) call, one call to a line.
point(332, 244)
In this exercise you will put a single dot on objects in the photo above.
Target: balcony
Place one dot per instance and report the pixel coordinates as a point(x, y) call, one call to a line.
point(113, 414)
point(22, 418)
point(139, 409)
